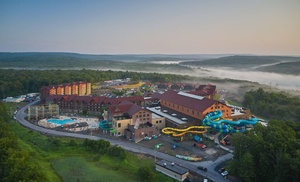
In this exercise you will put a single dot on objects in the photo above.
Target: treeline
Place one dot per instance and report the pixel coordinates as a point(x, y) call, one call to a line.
point(18, 82)
point(16, 163)
point(103, 147)
point(270, 153)
point(273, 105)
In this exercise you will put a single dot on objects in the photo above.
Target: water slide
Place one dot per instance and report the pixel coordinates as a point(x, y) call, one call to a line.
point(180, 132)
point(214, 120)
point(105, 125)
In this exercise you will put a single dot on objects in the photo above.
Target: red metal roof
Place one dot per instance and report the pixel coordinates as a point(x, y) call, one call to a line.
point(124, 107)
point(188, 102)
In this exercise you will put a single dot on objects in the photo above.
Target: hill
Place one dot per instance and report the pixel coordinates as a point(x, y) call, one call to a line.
point(257, 63)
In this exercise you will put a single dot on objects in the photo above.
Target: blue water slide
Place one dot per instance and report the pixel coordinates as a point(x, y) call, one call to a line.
point(213, 119)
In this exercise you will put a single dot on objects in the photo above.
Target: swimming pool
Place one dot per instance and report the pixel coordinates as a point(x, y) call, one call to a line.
point(60, 121)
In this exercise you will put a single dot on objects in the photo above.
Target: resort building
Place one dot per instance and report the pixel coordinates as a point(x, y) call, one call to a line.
point(172, 170)
point(42, 111)
point(90, 104)
point(75, 88)
point(189, 108)
point(132, 121)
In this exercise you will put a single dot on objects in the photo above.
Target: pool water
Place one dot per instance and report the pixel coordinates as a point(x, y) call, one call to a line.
point(60, 121)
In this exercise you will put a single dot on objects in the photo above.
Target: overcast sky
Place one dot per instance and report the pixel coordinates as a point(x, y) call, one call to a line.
point(265, 27)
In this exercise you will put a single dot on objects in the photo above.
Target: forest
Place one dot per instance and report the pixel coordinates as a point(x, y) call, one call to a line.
point(78, 61)
point(267, 154)
point(273, 105)
point(18, 82)
point(272, 152)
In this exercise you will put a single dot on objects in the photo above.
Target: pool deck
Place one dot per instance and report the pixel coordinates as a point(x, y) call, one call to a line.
point(92, 122)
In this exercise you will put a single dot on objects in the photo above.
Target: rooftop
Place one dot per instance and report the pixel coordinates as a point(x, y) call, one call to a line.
point(166, 115)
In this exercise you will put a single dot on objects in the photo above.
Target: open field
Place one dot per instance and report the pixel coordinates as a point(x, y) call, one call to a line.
point(66, 159)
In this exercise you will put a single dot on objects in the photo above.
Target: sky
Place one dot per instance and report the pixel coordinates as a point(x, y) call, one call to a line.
point(262, 27)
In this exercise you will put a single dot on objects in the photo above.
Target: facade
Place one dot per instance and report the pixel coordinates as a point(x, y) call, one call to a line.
point(159, 122)
point(91, 104)
point(75, 88)
point(132, 121)
point(172, 170)
point(43, 111)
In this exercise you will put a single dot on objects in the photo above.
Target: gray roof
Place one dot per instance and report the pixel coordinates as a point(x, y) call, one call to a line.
point(175, 168)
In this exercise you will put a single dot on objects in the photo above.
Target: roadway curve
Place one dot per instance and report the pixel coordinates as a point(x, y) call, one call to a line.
point(129, 146)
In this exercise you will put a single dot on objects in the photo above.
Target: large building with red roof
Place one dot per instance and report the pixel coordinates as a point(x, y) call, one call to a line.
point(91, 104)
point(190, 107)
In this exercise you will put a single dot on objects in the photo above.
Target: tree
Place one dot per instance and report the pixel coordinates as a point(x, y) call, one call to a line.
point(146, 175)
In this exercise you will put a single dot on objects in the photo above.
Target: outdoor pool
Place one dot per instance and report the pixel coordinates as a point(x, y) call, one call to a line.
point(60, 121)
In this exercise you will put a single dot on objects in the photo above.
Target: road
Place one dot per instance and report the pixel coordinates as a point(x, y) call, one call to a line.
point(129, 146)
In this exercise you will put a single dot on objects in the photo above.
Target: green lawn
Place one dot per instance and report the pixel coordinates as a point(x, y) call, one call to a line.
point(66, 159)
point(80, 169)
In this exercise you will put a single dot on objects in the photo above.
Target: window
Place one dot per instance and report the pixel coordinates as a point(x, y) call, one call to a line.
point(156, 122)
point(193, 112)
point(148, 114)
point(159, 121)
point(119, 125)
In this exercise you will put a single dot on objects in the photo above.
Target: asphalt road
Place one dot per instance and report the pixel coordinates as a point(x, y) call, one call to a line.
point(129, 146)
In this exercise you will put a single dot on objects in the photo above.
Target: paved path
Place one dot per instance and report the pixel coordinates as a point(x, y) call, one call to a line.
point(129, 146)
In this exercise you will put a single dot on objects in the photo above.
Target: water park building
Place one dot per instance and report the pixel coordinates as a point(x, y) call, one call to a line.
point(172, 170)
point(75, 88)
point(190, 109)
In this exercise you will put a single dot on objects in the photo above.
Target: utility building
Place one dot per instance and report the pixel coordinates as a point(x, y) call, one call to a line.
point(172, 170)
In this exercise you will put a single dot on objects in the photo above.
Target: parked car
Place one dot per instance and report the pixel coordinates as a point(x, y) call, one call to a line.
point(202, 168)
point(224, 174)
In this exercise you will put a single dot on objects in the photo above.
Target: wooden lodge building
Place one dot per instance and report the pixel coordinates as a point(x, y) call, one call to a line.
point(192, 108)
point(91, 104)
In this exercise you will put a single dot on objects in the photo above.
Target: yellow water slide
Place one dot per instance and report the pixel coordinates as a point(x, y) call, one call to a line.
point(180, 132)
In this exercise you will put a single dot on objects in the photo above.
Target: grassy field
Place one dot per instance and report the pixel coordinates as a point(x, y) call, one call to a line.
point(66, 159)
point(80, 169)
